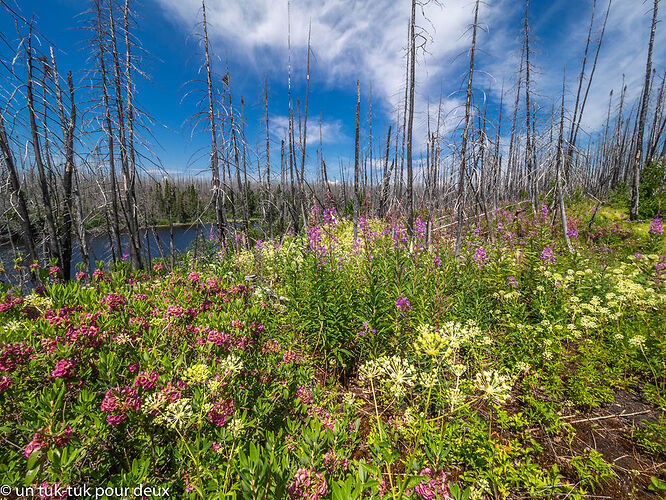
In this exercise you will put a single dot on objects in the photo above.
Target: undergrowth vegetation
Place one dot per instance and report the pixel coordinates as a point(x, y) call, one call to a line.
point(325, 366)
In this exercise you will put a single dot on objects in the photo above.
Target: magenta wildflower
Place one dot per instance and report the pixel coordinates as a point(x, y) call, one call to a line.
point(146, 380)
point(481, 256)
point(656, 227)
point(64, 369)
point(80, 275)
point(433, 486)
point(547, 255)
point(38, 442)
point(5, 383)
point(403, 304)
point(307, 484)
point(221, 411)
point(511, 281)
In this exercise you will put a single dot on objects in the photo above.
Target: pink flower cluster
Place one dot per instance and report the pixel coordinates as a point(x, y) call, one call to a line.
point(64, 369)
point(43, 440)
point(434, 485)
point(146, 380)
point(5, 383)
point(14, 355)
point(333, 463)
point(221, 411)
point(403, 304)
point(307, 484)
point(118, 402)
point(10, 303)
point(656, 227)
point(114, 301)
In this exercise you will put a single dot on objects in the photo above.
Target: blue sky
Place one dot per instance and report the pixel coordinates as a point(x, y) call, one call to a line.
point(357, 39)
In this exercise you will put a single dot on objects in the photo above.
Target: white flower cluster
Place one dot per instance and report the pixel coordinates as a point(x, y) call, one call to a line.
point(495, 386)
point(447, 339)
point(231, 363)
point(176, 415)
point(197, 374)
point(393, 373)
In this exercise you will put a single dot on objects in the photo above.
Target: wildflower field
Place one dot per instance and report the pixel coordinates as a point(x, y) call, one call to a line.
point(325, 366)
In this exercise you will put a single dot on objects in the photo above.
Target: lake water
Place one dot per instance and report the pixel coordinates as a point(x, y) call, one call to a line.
point(100, 250)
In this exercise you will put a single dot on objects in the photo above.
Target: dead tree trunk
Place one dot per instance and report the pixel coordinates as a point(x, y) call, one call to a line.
point(17, 194)
point(218, 190)
point(356, 152)
point(558, 181)
point(410, 125)
point(53, 243)
point(463, 147)
point(67, 127)
point(633, 213)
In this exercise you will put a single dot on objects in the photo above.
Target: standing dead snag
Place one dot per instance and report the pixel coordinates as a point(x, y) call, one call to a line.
point(356, 152)
point(410, 123)
point(558, 167)
point(633, 213)
point(67, 126)
point(530, 154)
point(53, 244)
point(463, 147)
point(218, 193)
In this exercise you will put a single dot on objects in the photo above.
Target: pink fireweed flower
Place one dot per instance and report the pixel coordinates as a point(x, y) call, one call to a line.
point(98, 274)
point(481, 256)
point(34, 267)
point(194, 277)
point(656, 227)
point(403, 304)
point(366, 330)
point(64, 369)
point(80, 275)
point(54, 271)
point(547, 255)
point(511, 281)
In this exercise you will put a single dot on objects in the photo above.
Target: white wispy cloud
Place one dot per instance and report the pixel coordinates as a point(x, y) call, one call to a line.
point(331, 131)
point(353, 39)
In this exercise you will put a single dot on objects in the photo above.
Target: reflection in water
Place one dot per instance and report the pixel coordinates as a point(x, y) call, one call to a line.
point(100, 250)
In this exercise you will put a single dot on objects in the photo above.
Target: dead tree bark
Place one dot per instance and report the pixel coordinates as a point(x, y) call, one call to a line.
point(410, 125)
point(558, 181)
point(53, 243)
point(529, 151)
point(115, 222)
point(633, 213)
point(67, 127)
point(21, 207)
point(356, 153)
point(218, 190)
point(463, 147)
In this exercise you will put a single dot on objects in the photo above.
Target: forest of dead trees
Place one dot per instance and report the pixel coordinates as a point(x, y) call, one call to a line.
point(76, 149)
